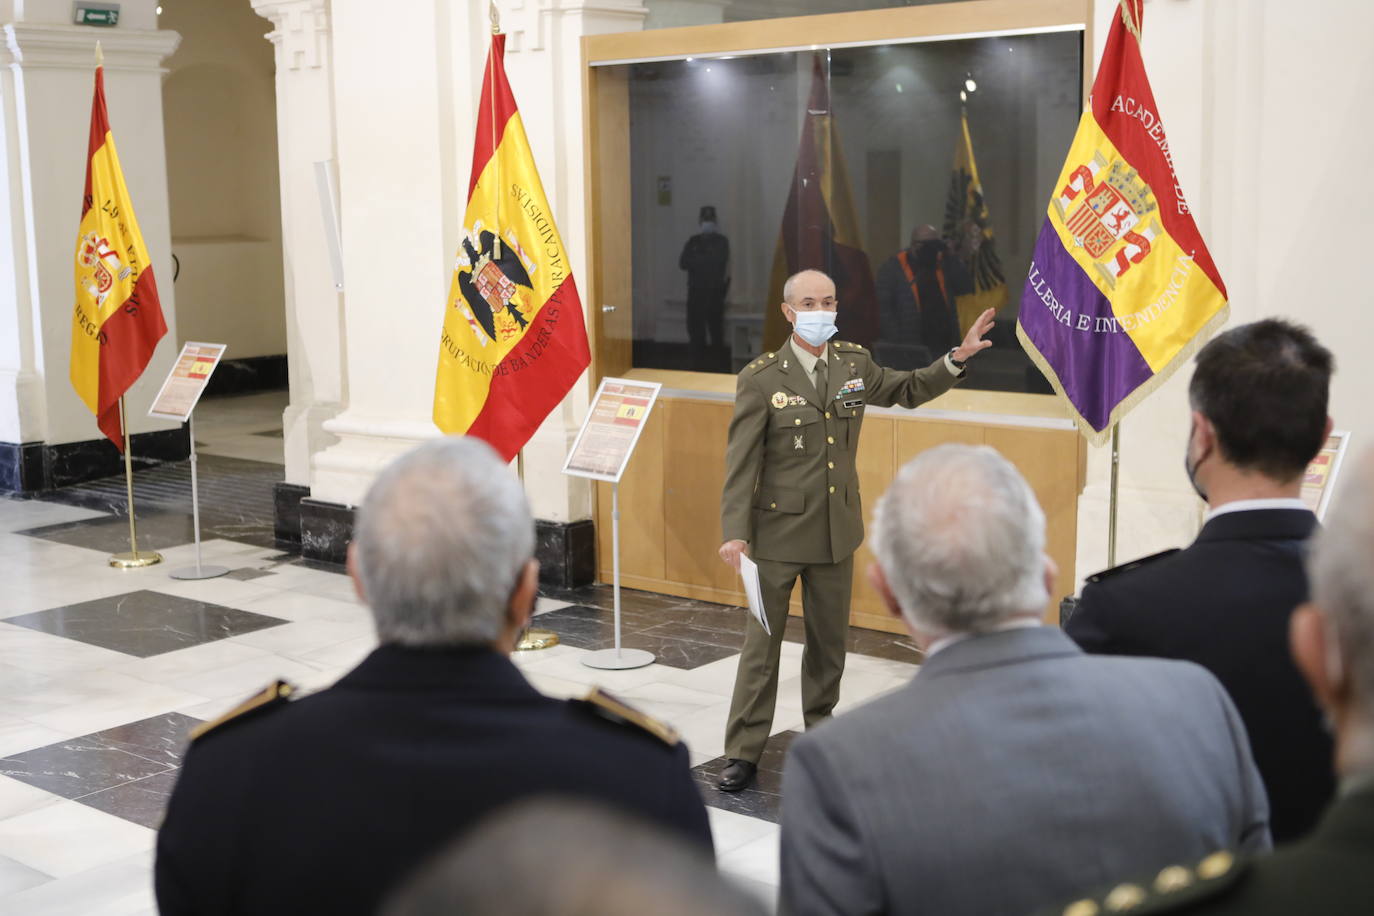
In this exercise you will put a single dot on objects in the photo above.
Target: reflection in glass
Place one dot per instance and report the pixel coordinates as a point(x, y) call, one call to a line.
point(863, 162)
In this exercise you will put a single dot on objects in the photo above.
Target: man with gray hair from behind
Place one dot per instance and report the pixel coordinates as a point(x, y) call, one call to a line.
point(1013, 771)
point(323, 804)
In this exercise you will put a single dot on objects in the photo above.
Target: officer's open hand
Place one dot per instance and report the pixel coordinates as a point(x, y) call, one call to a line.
point(973, 340)
point(731, 551)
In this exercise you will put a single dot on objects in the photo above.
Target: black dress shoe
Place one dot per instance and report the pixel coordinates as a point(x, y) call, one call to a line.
point(738, 774)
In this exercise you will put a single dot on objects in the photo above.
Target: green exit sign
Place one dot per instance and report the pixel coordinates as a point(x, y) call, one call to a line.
point(104, 14)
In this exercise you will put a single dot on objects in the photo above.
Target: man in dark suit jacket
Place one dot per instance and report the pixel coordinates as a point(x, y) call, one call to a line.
point(1333, 644)
point(1259, 397)
point(321, 805)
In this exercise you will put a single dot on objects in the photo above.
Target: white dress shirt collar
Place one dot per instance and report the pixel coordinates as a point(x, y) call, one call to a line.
point(1251, 505)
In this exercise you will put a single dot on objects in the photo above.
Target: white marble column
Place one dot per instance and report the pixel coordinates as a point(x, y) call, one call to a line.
point(315, 319)
point(544, 62)
point(46, 76)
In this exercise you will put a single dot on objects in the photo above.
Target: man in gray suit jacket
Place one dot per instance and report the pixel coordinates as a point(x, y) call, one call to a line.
point(1013, 771)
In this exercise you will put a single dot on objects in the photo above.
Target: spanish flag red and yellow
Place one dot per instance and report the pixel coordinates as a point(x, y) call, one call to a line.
point(514, 341)
point(118, 319)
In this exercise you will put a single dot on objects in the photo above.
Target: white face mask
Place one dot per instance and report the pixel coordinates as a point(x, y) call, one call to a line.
point(708, 226)
point(814, 327)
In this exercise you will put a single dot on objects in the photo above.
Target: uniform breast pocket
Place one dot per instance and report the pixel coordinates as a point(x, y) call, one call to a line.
point(796, 431)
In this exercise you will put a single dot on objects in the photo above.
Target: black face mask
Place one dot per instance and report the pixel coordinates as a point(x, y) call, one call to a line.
point(1191, 469)
point(928, 252)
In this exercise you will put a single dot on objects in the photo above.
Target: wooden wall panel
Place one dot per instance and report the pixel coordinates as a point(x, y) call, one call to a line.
point(695, 475)
point(1048, 459)
point(915, 437)
point(641, 509)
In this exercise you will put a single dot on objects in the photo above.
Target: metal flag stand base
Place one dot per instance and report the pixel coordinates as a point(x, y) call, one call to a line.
point(198, 571)
point(134, 558)
point(617, 659)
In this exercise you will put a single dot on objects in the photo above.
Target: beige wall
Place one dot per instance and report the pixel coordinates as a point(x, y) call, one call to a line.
point(222, 175)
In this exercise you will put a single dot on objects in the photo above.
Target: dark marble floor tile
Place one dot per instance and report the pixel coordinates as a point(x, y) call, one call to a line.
point(160, 738)
point(676, 653)
point(247, 573)
point(145, 623)
point(630, 619)
point(271, 433)
point(78, 767)
point(142, 801)
point(104, 759)
point(764, 798)
point(156, 531)
point(714, 636)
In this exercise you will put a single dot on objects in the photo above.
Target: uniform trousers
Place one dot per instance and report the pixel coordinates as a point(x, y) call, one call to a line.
point(825, 608)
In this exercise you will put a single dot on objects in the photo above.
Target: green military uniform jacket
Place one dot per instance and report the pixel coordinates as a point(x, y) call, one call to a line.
point(791, 489)
point(1328, 872)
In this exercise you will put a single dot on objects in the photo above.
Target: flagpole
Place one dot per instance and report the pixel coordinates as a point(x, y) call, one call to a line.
point(135, 558)
point(531, 637)
point(1112, 497)
point(491, 81)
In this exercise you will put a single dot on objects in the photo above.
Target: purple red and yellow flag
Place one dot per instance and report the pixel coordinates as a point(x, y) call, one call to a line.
point(514, 341)
point(1121, 288)
point(820, 228)
point(118, 320)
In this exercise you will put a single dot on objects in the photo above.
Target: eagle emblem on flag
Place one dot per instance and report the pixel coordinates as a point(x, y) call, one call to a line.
point(488, 288)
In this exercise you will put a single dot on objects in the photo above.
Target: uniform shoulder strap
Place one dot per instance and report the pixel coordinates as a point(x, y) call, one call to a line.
point(604, 705)
point(763, 362)
point(1133, 565)
point(274, 696)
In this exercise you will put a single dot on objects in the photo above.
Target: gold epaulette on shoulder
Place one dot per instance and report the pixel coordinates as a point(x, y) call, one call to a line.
point(612, 708)
point(1133, 564)
point(846, 345)
point(762, 362)
point(273, 694)
point(1173, 887)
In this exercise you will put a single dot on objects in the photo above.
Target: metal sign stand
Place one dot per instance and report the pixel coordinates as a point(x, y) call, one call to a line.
point(198, 571)
point(619, 405)
point(617, 658)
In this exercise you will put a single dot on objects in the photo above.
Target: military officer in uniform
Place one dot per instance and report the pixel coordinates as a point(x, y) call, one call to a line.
point(1332, 641)
point(791, 498)
point(322, 804)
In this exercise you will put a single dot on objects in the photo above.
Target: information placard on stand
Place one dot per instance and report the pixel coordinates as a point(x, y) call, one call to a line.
point(602, 450)
point(1319, 480)
point(177, 400)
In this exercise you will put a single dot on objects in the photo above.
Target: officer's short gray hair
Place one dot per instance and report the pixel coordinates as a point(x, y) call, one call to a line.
point(961, 540)
point(440, 541)
point(790, 283)
point(1341, 569)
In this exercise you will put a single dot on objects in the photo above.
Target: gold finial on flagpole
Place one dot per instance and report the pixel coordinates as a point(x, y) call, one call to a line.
point(495, 17)
point(99, 55)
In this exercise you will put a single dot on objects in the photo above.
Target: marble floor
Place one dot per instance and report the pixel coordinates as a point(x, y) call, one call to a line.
point(103, 671)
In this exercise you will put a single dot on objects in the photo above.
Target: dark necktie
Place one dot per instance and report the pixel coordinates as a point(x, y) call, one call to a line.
point(822, 380)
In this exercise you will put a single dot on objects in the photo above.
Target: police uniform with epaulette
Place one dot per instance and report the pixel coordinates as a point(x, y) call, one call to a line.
point(1224, 602)
point(322, 804)
point(792, 493)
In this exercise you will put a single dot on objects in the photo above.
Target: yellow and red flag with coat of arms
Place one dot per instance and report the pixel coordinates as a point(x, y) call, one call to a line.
point(118, 320)
point(514, 341)
point(1121, 287)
